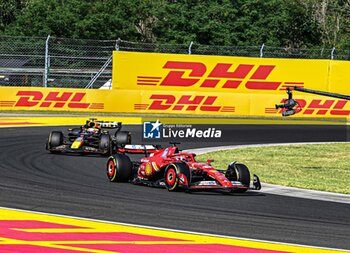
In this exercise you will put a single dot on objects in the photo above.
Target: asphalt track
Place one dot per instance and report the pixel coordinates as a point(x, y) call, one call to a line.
point(33, 179)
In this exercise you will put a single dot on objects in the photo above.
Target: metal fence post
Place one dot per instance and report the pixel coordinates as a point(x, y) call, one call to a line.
point(262, 50)
point(190, 48)
point(332, 54)
point(47, 62)
point(105, 65)
point(117, 44)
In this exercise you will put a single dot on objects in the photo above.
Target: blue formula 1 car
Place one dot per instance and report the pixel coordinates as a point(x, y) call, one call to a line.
point(89, 138)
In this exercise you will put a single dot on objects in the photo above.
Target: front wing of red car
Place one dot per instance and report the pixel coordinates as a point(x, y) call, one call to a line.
point(231, 185)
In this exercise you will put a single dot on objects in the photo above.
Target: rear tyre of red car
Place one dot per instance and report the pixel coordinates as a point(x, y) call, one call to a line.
point(177, 177)
point(122, 137)
point(105, 144)
point(55, 140)
point(239, 172)
point(119, 168)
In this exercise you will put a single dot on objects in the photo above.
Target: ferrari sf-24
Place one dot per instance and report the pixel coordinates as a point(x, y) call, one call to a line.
point(177, 171)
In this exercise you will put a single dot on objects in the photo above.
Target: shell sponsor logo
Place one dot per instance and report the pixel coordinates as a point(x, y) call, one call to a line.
point(148, 169)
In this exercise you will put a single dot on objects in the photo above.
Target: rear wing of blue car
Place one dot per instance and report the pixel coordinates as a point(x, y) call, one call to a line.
point(110, 124)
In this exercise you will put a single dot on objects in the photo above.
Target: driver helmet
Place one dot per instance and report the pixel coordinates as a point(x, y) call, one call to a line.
point(91, 124)
point(182, 158)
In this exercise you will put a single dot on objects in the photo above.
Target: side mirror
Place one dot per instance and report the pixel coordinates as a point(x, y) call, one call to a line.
point(209, 161)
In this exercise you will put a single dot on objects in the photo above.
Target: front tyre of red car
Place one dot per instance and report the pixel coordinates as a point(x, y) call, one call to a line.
point(177, 177)
point(239, 172)
point(119, 168)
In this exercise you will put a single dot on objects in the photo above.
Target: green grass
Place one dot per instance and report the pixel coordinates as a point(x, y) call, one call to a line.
point(324, 167)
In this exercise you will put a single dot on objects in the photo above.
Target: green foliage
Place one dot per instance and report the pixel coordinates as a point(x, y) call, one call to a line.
point(281, 23)
point(9, 9)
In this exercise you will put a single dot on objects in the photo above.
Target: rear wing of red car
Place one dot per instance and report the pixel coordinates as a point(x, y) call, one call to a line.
point(139, 149)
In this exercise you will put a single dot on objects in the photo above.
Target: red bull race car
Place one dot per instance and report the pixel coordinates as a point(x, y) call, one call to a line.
point(89, 138)
point(177, 171)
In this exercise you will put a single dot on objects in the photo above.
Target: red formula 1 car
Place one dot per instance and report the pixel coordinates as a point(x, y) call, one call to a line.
point(176, 171)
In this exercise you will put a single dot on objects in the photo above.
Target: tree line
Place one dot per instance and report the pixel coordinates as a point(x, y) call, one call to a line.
point(280, 23)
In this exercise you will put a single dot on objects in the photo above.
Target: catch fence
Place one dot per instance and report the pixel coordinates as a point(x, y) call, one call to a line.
point(76, 63)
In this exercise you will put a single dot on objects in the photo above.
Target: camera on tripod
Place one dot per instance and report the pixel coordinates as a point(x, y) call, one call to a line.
point(291, 106)
point(288, 105)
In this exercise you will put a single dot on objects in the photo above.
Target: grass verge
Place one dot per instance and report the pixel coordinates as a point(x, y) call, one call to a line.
point(324, 167)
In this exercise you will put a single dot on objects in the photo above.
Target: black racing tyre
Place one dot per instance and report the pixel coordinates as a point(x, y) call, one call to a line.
point(105, 144)
point(238, 172)
point(176, 172)
point(123, 137)
point(119, 168)
point(55, 139)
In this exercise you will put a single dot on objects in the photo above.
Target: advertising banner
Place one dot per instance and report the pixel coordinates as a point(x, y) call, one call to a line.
point(173, 83)
point(151, 71)
point(339, 78)
point(198, 85)
point(165, 102)
point(58, 99)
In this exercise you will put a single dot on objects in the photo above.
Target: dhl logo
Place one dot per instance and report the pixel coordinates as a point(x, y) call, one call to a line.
point(165, 102)
point(224, 75)
point(52, 100)
point(317, 107)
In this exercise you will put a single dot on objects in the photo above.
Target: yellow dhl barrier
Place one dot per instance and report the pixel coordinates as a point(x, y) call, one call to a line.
point(194, 84)
point(174, 72)
point(339, 78)
point(166, 101)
